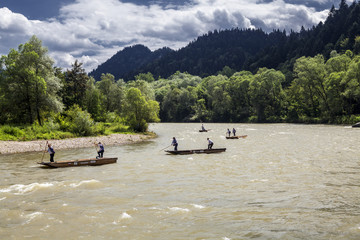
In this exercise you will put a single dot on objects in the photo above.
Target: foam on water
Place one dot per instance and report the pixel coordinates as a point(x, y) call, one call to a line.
point(125, 215)
point(32, 216)
point(90, 183)
point(19, 189)
point(177, 209)
point(259, 180)
point(198, 206)
point(45, 227)
point(155, 208)
point(286, 133)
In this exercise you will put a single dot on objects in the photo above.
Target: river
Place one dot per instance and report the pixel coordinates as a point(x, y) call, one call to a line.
point(284, 181)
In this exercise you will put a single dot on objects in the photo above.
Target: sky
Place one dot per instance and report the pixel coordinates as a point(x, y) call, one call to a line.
point(91, 31)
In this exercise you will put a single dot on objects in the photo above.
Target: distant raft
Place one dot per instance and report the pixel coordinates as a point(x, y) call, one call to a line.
point(79, 162)
point(237, 137)
point(204, 130)
point(196, 151)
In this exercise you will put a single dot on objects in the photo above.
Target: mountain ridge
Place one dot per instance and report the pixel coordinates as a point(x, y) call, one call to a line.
point(241, 49)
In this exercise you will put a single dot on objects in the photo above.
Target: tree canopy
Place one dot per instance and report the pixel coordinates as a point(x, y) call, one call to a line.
point(28, 85)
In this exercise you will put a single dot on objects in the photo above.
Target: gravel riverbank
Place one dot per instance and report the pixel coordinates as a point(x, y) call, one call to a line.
point(9, 147)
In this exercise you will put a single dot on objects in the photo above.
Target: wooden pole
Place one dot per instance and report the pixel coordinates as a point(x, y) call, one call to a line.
point(96, 147)
point(165, 148)
point(44, 151)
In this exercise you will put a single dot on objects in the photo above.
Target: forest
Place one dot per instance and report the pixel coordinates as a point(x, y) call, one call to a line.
point(323, 91)
point(40, 101)
point(242, 49)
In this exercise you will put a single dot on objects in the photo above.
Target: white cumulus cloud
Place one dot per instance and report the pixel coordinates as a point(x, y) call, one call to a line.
point(92, 30)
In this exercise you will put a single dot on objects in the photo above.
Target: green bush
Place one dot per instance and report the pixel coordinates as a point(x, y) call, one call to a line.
point(13, 131)
point(253, 119)
point(63, 123)
point(354, 119)
point(99, 128)
point(118, 128)
point(138, 126)
point(31, 132)
point(71, 123)
point(80, 121)
point(111, 117)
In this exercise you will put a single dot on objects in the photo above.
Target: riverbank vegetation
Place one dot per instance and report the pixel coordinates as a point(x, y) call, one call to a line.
point(323, 91)
point(40, 101)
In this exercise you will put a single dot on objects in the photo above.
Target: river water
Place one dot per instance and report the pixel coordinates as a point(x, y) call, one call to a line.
point(284, 181)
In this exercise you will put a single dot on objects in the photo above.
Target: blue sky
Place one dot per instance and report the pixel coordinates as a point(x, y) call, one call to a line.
point(94, 30)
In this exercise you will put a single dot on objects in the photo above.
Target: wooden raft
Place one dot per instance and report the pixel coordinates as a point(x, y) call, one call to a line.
point(79, 162)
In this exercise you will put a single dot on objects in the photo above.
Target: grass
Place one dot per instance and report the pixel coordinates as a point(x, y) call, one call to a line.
point(32, 132)
point(51, 131)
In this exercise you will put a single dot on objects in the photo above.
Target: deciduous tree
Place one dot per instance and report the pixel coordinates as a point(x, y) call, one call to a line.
point(28, 83)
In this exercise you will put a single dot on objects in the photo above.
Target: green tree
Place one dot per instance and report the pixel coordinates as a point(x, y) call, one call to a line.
point(352, 86)
point(75, 85)
point(112, 93)
point(201, 113)
point(92, 101)
point(221, 101)
point(336, 68)
point(239, 90)
point(177, 105)
point(148, 77)
point(357, 45)
point(267, 94)
point(334, 89)
point(138, 111)
point(217, 97)
point(28, 84)
point(227, 71)
point(146, 88)
point(310, 75)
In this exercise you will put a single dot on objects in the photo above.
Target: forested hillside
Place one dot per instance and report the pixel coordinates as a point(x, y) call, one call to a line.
point(125, 62)
point(339, 32)
point(243, 49)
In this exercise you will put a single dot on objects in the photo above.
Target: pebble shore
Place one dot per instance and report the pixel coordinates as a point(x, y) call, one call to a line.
point(10, 147)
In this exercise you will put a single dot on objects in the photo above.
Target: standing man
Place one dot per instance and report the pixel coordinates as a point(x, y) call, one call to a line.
point(101, 150)
point(51, 151)
point(174, 143)
point(228, 132)
point(210, 143)
point(234, 132)
point(202, 127)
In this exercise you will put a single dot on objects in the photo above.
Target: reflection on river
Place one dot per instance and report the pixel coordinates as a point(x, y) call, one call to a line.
point(283, 181)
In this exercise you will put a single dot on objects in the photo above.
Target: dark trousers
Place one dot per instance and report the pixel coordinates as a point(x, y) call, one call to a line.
point(52, 157)
point(101, 153)
point(210, 145)
point(175, 146)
